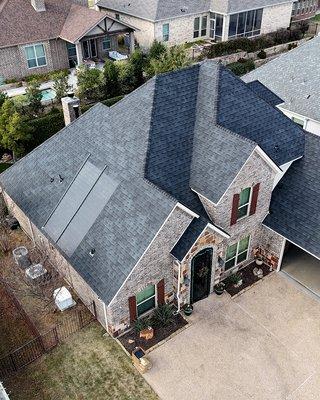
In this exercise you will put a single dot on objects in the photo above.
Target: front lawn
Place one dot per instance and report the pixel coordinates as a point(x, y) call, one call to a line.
point(88, 366)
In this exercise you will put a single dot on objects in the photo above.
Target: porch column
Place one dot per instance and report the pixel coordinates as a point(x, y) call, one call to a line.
point(225, 27)
point(79, 53)
point(131, 36)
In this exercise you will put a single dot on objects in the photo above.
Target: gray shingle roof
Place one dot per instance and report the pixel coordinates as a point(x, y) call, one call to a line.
point(265, 93)
point(155, 143)
point(253, 118)
point(294, 77)
point(295, 205)
point(155, 10)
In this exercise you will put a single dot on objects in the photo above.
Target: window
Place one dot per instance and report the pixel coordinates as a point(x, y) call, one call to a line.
point(106, 43)
point(36, 56)
point(298, 121)
point(245, 24)
point(237, 253)
point(146, 300)
point(244, 202)
point(72, 52)
point(196, 27)
point(200, 26)
point(165, 32)
point(204, 22)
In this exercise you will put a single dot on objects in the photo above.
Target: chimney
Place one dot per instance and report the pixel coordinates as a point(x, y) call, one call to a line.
point(38, 5)
point(71, 108)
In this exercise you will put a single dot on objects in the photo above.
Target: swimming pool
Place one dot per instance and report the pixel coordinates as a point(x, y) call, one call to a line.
point(48, 94)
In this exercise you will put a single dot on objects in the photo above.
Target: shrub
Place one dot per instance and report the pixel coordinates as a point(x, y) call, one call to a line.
point(3, 97)
point(90, 83)
point(162, 316)
point(111, 79)
point(235, 278)
point(241, 67)
point(292, 46)
point(141, 324)
point(60, 85)
point(174, 58)
point(156, 50)
point(34, 97)
point(262, 54)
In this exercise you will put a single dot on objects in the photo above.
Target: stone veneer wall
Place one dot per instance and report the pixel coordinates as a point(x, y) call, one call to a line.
point(180, 29)
point(145, 32)
point(276, 17)
point(71, 276)
point(156, 264)
point(13, 63)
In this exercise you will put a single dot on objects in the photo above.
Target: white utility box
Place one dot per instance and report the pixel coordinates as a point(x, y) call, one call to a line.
point(63, 298)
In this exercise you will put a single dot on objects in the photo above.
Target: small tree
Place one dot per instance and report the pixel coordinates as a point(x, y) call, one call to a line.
point(126, 77)
point(111, 79)
point(60, 84)
point(137, 62)
point(3, 97)
point(14, 132)
point(156, 50)
point(90, 83)
point(34, 97)
point(174, 58)
point(303, 27)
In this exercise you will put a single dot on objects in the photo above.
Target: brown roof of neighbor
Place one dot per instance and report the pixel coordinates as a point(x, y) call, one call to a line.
point(79, 21)
point(21, 23)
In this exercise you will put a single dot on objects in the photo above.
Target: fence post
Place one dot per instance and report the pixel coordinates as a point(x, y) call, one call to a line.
point(13, 362)
point(80, 319)
point(56, 335)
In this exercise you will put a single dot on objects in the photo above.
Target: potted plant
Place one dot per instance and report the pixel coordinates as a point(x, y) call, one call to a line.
point(259, 260)
point(219, 288)
point(236, 279)
point(187, 309)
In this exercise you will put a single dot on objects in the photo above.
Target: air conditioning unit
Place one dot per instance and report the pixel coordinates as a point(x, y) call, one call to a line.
point(63, 298)
point(36, 273)
point(21, 257)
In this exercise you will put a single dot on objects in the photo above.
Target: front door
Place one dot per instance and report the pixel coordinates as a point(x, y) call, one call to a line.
point(201, 275)
point(212, 31)
point(89, 48)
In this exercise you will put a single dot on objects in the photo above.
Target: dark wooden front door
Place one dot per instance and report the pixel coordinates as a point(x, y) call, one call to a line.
point(201, 275)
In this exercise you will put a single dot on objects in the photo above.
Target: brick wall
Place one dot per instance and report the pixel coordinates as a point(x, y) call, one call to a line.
point(13, 63)
point(156, 264)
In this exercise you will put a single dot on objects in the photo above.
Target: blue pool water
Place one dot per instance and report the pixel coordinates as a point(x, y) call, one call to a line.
point(48, 94)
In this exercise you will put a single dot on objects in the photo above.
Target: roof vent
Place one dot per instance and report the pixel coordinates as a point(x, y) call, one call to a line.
point(308, 96)
point(38, 5)
point(92, 252)
point(184, 9)
point(61, 178)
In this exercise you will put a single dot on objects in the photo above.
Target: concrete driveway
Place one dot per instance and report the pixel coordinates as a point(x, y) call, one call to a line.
point(263, 345)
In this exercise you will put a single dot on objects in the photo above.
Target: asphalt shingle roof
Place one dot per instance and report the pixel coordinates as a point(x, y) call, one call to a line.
point(155, 10)
point(294, 77)
point(157, 143)
point(253, 118)
point(295, 205)
point(265, 93)
point(20, 23)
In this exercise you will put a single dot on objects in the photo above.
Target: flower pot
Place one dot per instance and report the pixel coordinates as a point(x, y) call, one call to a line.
point(259, 261)
point(188, 309)
point(219, 289)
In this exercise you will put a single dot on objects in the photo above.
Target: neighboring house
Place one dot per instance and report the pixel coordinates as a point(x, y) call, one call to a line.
point(161, 196)
point(304, 9)
point(40, 36)
point(294, 78)
point(182, 21)
point(3, 393)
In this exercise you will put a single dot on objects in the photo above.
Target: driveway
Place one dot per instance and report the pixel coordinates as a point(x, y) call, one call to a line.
point(263, 345)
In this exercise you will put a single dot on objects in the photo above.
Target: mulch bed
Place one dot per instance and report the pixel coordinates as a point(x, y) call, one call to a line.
point(248, 278)
point(159, 335)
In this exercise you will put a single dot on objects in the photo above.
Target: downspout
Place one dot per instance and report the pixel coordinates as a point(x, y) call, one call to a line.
point(32, 233)
point(105, 315)
point(178, 288)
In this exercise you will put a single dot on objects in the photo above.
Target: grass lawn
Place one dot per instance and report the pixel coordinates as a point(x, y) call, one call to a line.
point(88, 366)
point(316, 18)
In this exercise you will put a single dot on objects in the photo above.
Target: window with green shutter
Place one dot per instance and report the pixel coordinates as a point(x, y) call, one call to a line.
point(146, 300)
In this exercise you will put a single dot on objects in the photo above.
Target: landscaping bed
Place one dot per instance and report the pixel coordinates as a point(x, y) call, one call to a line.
point(248, 278)
point(132, 339)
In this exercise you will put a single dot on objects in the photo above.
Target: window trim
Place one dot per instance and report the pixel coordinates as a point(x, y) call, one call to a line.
point(36, 58)
point(237, 253)
point(247, 33)
point(197, 33)
point(246, 204)
point(106, 38)
point(155, 296)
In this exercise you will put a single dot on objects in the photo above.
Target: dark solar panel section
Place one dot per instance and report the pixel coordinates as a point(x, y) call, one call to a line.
point(88, 212)
point(71, 200)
